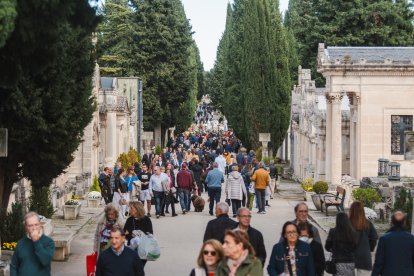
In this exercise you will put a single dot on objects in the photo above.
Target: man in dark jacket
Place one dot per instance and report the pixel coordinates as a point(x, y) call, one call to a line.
point(119, 259)
point(185, 184)
point(217, 227)
point(255, 237)
point(395, 252)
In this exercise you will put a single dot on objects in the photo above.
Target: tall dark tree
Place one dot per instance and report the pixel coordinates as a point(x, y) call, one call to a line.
point(348, 23)
point(161, 50)
point(7, 16)
point(46, 91)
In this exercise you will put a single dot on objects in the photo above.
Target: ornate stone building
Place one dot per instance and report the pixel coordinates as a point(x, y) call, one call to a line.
point(367, 113)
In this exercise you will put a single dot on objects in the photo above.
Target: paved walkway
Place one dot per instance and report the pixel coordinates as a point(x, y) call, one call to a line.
point(180, 237)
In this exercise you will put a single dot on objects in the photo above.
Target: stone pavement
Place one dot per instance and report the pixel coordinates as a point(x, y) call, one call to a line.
point(180, 237)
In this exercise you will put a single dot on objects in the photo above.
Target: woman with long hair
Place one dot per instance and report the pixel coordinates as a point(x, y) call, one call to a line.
point(239, 255)
point(291, 256)
point(367, 238)
point(211, 253)
point(342, 242)
point(121, 196)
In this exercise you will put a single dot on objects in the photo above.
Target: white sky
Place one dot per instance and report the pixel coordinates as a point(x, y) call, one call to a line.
point(208, 18)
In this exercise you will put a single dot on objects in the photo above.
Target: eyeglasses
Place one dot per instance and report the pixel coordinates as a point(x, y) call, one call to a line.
point(292, 233)
point(212, 253)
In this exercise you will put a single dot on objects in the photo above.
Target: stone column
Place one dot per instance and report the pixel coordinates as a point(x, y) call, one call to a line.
point(111, 139)
point(351, 135)
point(336, 139)
point(357, 128)
point(328, 144)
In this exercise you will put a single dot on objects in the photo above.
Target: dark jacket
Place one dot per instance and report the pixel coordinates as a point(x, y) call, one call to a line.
point(256, 240)
point(106, 186)
point(215, 228)
point(343, 251)
point(395, 254)
point(318, 257)
point(367, 242)
point(304, 259)
point(249, 267)
point(197, 173)
point(128, 263)
point(144, 224)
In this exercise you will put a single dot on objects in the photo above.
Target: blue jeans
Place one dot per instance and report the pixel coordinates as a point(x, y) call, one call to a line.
point(184, 199)
point(159, 202)
point(260, 197)
point(214, 193)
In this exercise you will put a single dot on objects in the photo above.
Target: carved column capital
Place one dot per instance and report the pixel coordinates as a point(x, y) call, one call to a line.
point(354, 98)
point(334, 98)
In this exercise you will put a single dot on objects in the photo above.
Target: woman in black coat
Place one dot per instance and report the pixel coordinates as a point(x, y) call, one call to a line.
point(306, 235)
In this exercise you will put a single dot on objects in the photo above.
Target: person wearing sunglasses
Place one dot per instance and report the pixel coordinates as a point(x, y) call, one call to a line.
point(211, 254)
point(291, 256)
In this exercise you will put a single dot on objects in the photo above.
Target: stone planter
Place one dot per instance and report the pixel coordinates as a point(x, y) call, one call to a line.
point(94, 202)
point(316, 201)
point(5, 260)
point(71, 211)
point(308, 196)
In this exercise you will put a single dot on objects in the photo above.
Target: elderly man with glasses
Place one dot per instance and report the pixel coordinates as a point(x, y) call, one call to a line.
point(255, 236)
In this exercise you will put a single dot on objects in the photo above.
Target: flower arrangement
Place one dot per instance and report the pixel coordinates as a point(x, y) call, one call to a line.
point(9, 246)
point(73, 201)
point(307, 185)
point(94, 195)
point(320, 187)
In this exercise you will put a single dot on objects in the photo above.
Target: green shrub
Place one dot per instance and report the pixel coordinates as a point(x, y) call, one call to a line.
point(404, 202)
point(259, 151)
point(40, 201)
point(129, 159)
point(12, 227)
point(158, 150)
point(267, 159)
point(95, 185)
point(368, 196)
point(320, 187)
point(307, 185)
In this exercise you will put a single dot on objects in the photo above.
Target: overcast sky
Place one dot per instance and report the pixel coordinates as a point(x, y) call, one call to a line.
point(208, 18)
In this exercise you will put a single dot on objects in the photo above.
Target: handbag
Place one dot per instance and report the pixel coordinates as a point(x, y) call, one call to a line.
point(330, 266)
point(122, 201)
point(91, 264)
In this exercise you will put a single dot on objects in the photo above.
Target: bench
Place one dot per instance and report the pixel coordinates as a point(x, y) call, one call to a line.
point(333, 200)
point(62, 244)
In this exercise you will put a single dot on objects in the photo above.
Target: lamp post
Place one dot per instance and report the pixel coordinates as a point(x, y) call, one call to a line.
point(394, 171)
point(140, 119)
point(383, 166)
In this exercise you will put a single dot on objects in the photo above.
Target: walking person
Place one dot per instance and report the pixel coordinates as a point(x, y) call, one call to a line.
point(306, 235)
point(145, 195)
point(121, 196)
point(261, 179)
point(211, 253)
point(34, 252)
point(119, 259)
point(171, 191)
point(255, 236)
point(137, 221)
point(217, 227)
point(106, 189)
point(109, 219)
point(184, 184)
point(342, 242)
point(291, 256)
point(129, 179)
point(367, 239)
point(214, 180)
point(157, 190)
point(240, 259)
point(235, 189)
point(395, 252)
point(102, 176)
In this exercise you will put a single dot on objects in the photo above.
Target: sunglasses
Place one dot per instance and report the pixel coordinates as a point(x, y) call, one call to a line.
point(212, 253)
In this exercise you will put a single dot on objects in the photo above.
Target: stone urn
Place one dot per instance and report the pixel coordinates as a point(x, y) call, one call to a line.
point(5, 260)
point(94, 202)
point(308, 196)
point(71, 211)
point(316, 201)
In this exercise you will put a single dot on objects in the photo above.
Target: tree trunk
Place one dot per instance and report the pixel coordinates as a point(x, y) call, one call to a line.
point(5, 190)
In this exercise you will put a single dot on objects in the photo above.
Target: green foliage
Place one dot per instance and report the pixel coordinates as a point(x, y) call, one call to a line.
point(7, 16)
point(128, 159)
point(250, 80)
point(347, 23)
point(11, 227)
point(46, 90)
point(320, 187)
point(259, 152)
point(95, 185)
point(267, 159)
point(368, 196)
point(404, 202)
point(307, 185)
point(158, 149)
point(40, 201)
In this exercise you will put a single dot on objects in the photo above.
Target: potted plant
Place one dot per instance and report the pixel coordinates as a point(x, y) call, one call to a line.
point(94, 196)
point(320, 187)
point(71, 209)
point(307, 187)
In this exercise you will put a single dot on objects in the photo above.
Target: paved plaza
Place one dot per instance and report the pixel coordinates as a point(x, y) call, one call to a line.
point(180, 238)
